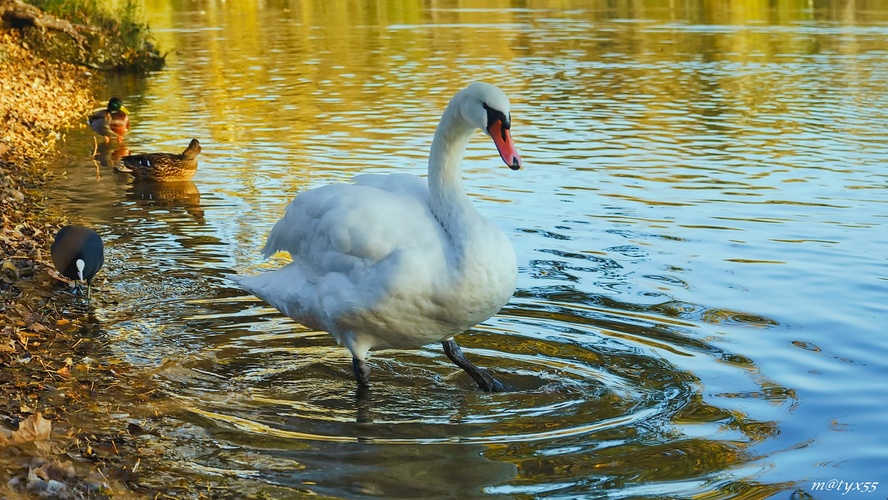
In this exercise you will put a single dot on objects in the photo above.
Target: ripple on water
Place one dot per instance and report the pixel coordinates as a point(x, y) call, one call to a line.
point(594, 391)
point(659, 188)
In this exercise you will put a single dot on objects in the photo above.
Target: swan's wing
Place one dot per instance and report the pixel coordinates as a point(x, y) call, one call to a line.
point(341, 227)
point(405, 184)
point(352, 245)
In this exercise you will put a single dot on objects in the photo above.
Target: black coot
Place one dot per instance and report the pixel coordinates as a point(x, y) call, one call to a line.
point(78, 253)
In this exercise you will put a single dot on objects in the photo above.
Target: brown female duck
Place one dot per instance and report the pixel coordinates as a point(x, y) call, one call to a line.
point(112, 121)
point(164, 166)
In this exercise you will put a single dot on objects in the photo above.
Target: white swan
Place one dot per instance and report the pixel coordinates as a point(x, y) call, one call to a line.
point(397, 261)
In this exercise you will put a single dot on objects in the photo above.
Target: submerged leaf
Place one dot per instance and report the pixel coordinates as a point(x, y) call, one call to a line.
point(33, 428)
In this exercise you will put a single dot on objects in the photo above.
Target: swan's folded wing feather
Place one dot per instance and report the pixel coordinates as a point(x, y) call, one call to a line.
point(348, 227)
point(407, 184)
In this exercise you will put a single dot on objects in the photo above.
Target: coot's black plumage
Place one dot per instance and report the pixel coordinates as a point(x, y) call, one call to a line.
point(78, 253)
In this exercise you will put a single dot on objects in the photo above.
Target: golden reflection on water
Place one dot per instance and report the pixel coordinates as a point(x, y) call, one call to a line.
point(617, 390)
point(340, 59)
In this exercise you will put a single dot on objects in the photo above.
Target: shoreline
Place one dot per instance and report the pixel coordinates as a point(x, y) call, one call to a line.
point(54, 385)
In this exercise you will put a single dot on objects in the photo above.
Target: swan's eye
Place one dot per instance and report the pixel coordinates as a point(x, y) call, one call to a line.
point(495, 115)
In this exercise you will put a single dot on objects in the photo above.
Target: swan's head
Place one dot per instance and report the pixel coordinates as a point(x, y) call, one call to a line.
point(487, 107)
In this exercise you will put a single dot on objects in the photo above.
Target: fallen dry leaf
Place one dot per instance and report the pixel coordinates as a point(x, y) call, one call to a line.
point(33, 428)
point(37, 327)
point(58, 471)
point(8, 346)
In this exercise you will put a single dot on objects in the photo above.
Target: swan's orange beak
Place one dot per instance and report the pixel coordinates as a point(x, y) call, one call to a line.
point(503, 140)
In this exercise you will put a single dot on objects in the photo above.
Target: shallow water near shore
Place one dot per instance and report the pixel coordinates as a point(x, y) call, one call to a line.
point(700, 231)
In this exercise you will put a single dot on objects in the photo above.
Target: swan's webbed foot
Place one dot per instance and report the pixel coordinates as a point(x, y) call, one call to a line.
point(480, 375)
point(362, 373)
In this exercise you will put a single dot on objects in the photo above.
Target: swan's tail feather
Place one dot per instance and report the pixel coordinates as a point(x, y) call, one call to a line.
point(272, 244)
point(285, 234)
point(250, 284)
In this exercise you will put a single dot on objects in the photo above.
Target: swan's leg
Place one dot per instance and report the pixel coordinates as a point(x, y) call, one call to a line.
point(484, 380)
point(362, 372)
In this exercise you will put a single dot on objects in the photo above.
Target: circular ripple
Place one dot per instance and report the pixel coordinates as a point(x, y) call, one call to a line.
point(282, 386)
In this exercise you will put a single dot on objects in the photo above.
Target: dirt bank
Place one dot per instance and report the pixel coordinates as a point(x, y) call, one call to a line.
point(53, 439)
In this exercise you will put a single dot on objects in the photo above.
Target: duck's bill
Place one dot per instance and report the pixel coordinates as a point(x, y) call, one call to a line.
point(503, 140)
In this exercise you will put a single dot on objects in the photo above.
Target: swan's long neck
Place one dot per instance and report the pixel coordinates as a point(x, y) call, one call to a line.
point(448, 201)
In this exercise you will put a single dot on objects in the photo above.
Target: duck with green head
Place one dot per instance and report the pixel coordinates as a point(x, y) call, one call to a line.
point(164, 166)
point(112, 121)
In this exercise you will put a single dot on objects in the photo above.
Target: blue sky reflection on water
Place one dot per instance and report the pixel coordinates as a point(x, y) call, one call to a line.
point(699, 227)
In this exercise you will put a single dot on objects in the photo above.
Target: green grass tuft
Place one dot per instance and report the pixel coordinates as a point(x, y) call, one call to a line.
point(122, 40)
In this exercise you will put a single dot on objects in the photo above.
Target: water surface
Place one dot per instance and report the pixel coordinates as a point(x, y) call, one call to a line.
point(700, 230)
